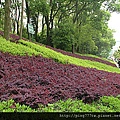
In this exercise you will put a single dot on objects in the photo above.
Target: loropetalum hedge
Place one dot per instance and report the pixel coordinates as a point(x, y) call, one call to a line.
point(13, 37)
point(36, 80)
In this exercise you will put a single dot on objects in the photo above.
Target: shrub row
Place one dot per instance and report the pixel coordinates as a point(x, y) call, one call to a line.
point(34, 80)
point(11, 106)
point(104, 104)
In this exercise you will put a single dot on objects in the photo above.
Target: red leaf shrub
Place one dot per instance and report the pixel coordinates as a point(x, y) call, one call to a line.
point(33, 80)
point(1, 33)
point(13, 37)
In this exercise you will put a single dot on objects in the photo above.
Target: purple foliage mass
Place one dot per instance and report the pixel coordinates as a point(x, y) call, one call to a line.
point(33, 80)
point(13, 37)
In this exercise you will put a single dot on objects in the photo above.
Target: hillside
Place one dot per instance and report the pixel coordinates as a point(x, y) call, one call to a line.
point(34, 74)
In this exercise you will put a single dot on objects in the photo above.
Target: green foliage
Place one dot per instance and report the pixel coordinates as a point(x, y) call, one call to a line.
point(86, 42)
point(2, 13)
point(103, 36)
point(109, 102)
point(11, 106)
point(95, 36)
point(15, 49)
point(64, 36)
point(24, 33)
point(105, 104)
point(39, 6)
point(117, 54)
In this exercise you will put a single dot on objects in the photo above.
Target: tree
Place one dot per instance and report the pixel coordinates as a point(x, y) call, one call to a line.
point(7, 19)
point(2, 14)
point(86, 43)
point(35, 8)
point(15, 16)
point(117, 53)
point(21, 25)
point(65, 36)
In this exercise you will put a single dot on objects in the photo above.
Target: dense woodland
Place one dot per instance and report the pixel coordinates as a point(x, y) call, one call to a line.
point(72, 25)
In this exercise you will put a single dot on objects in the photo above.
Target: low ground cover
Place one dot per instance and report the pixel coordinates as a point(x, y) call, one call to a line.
point(33, 80)
point(85, 56)
point(25, 47)
point(15, 49)
point(104, 104)
point(57, 56)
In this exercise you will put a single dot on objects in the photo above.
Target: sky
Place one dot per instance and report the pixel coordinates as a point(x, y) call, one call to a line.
point(114, 23)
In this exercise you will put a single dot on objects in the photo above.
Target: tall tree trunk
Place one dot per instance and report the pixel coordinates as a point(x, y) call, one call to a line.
point(73, 48)
point(28, 16)
point(7, 20)
point(43, 24)
point(49, 24)
point(36, 28)
point(18, 20)
point(21, 25)
point(48, 29)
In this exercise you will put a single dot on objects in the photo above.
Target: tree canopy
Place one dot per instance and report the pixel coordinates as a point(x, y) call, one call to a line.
point(73, 25)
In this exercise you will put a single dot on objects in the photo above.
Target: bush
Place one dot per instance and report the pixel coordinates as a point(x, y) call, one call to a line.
point(33, 80)
point(11, 106)
point(105, 104)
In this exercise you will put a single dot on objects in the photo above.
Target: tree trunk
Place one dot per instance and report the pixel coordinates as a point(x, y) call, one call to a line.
point(73, 49)
point(21, 25)
point(36, 28)
point(7, 20)
point(48, 29)
point(28, 16)
point(43, 24)
point(18, 20)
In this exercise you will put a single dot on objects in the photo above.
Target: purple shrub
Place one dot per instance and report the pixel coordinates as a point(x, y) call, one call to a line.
point(34, 80)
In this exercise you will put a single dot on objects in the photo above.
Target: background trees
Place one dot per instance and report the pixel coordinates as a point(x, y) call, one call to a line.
point(72, 25)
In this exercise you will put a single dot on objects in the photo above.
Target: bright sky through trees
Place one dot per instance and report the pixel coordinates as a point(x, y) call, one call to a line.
point(114, 23)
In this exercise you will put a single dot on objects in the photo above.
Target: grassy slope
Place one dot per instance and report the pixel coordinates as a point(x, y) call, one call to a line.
point(94, 56)
point(106, 104)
